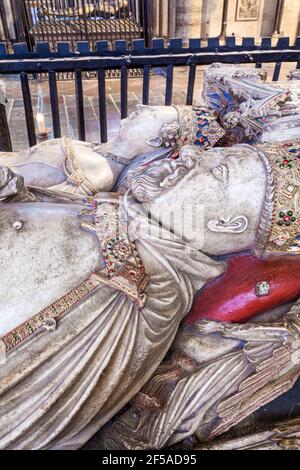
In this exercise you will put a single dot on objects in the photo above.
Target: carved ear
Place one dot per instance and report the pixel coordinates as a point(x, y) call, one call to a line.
point(154, 141)
point(236, 224)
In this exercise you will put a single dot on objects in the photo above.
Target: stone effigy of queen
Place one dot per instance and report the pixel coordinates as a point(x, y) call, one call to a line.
point(149, 133)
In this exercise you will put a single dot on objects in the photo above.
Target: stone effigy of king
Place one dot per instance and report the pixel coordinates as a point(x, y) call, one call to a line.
point(97, 283)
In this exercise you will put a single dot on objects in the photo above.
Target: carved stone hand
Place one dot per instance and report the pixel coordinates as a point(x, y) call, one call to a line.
point(11, 185)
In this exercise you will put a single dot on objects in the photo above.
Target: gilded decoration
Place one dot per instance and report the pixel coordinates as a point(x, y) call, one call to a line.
point(198, 126)
point(284, 235)
point(124, 269)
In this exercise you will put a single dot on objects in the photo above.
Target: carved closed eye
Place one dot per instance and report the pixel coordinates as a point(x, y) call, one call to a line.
point(220, 172)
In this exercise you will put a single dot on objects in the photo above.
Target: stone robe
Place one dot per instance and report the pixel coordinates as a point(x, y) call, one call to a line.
point(58, 388)
point(218, 375)
point(47, 165)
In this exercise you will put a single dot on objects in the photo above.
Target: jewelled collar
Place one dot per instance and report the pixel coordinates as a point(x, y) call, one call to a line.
point(123, 268)
point(282, 205)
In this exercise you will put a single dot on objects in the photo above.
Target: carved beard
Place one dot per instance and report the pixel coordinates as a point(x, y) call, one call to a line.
point(148, 183)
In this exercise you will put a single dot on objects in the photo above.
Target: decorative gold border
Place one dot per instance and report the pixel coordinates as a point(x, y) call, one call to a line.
point(53, 311)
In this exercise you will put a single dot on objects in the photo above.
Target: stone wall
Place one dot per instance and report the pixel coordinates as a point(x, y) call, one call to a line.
point(188, 18)
point(291, 18)
point(203, 18)
point(248, 27)
point(211, 18)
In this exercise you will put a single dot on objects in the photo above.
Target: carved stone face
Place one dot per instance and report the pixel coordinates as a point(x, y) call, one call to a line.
point(227, 185)
point(144, 124)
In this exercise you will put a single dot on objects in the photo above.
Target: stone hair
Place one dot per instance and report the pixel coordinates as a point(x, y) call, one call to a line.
point(148, 183)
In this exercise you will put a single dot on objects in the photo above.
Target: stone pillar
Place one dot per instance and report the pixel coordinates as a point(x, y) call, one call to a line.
point(172, 18)
point(278, 18)
point(224, 19)
point(188, 19)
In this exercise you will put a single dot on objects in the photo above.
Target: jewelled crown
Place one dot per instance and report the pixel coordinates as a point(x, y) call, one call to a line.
point(283, 234)
point(197, 126)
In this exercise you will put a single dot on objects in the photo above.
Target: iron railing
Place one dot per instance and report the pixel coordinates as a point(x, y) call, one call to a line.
point(24, 62)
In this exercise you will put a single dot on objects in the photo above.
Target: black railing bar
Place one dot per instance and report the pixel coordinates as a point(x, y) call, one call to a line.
point(135, 53)
point(146, 84)
point(124, 91)
point(191, 84)
point(276, 72)
point(102, 105)
point(28, 109)
point(79, 104)
point(159, 48)
point(94, 62)
point(54, 103)
point(5, 138)
point(169, 85)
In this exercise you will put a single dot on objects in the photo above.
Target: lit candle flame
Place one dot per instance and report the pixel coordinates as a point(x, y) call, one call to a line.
point(40, 119)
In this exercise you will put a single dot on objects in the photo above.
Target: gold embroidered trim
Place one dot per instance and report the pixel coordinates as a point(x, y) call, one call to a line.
point(284, 235)
point(124, 270)
point(52, 312)
point(76, 176)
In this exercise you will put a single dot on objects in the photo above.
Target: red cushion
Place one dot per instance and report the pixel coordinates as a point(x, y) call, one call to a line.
point(232, 296)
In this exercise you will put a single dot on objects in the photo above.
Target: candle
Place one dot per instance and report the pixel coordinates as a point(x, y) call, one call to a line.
point(40, 119)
